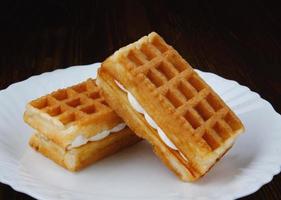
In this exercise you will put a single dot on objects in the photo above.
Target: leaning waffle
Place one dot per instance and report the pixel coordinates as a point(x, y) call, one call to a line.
point(193, 117)
point(67, 113)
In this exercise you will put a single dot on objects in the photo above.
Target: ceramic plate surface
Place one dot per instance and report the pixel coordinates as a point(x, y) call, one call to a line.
point(136, 172)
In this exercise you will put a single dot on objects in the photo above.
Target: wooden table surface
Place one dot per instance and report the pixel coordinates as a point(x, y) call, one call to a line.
point(239, 41)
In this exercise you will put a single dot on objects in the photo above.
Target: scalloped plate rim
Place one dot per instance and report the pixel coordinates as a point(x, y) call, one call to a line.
point(34, 193)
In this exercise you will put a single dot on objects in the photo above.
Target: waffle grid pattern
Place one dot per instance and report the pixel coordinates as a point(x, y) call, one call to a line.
point(71, 105)
point(189, 96)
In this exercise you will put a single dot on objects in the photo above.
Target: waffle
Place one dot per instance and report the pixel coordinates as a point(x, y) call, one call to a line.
point(67, 113)
point(193, 117)
point(67, 120)
point(78, 158)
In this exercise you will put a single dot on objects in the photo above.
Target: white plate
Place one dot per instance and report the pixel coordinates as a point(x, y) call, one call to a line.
point(136, 172)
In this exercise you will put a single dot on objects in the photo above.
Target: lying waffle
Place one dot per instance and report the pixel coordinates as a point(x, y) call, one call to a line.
point(75, 126)
point(162, 99)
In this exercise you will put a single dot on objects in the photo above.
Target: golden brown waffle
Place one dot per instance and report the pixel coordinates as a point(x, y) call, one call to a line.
point(189, 112)
point(67, 113)
point(79, 158)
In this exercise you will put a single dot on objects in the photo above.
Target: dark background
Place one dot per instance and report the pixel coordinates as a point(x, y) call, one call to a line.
point(237, 40)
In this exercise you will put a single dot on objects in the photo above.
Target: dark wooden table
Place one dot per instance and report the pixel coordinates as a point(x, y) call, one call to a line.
point(240, 41)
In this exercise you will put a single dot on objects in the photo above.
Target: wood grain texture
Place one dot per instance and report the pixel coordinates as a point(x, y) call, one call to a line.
point(236, 40)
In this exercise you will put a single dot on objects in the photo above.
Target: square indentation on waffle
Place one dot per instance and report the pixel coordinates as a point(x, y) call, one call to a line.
point(182, 89)
point(72, 104)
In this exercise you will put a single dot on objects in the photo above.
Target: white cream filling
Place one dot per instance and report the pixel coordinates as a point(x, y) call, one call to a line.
point(81, 140)
point(135, 104)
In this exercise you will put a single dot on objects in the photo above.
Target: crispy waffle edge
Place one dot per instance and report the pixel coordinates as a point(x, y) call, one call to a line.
point(81, 157)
